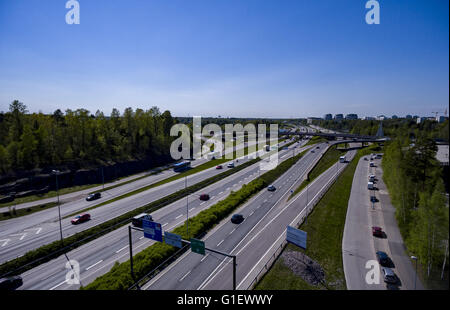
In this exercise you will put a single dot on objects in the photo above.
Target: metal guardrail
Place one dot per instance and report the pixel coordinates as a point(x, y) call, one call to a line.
point(279, 245)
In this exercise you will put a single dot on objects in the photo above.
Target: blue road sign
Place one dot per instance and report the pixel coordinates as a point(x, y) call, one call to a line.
point(296, 236)
point(152, 230)
point(172, 239)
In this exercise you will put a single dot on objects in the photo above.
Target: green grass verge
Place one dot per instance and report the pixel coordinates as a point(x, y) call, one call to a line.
point(54, 249)
point(13, 213)
point(325, 228)
point(328, 159)
point(119, 277)
point(207, 165)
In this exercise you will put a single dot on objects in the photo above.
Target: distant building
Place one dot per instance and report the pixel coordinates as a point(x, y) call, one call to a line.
point(369, 118)
point(351, 116)
point(381, 117)
point(328, 117)
point(420, 119)
point(394, 116)
point(408, 116)
point(338, 117)
point(311, 119)
point(416, 116)
point(441, 119)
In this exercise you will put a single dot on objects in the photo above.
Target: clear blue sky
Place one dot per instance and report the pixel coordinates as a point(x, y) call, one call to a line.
point(243, 58)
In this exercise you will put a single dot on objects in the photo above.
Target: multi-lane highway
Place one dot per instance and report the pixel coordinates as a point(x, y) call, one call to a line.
point(266, 217)
point(23, 234)
point(97, 257)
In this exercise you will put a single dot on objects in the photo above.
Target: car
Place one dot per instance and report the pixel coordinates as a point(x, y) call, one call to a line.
point(377, 231)
point(10, 283)
point(312, 151)
point(237, 218)
point(204, 197)
point(93, 196)
point(373, 199)
point(365, 158)
point(317, 147)
point(382, 258)
point(230, 165)
point(271, 188)
point(389, 275)
point(81, 218)
point(285, 148)
point(219, 167)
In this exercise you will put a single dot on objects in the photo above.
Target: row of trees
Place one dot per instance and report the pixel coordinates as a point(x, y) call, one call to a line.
point(415, 182)
point(38, 140)
point(391, 127)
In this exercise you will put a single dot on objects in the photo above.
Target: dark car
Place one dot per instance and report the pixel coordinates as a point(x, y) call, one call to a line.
point(219, 167)
point(317, 147)
point(204, 197)
point(81, 218)
point(312, 151)
point(382, 258)
point(271, 188)
point(389, 276)
point(237, 218)
point(10, 283)
point(377, 231)
point(373, 199)
point(93, 196)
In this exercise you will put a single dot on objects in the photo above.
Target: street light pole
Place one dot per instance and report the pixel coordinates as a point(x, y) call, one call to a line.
point(187, 208)
point(415, 278)
point(56, 172)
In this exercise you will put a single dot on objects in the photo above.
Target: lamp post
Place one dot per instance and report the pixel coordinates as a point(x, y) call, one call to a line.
point(56, 172)
point(187, 208)
point(415, 278)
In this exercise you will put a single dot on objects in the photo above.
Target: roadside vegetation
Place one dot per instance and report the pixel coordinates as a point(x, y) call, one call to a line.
point(330, 157)
point(325, 228)
point(119, 277)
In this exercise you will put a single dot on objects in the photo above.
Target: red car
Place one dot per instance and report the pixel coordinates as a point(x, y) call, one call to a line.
point(219, 167)
point(377, 231)
point(81, 218)
point(204, 197)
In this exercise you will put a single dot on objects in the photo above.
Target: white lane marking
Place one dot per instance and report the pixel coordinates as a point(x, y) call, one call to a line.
point(165, 224)
point(192, 209)
point(232, 231)
point(94, 264)
point(5, 241)
point(204, 258)
point(121, 249)
point(185, 276)
point(212, 197)
point(220, 242)
point(265, 200)
point(251, 213)
point(228, 188)
point(22, 234)
point(203, 203)
point(58, 285)
point(179, 216)
point(38, 230)
point(220, 193)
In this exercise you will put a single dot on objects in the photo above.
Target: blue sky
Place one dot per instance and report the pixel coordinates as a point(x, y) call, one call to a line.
point(242, 58)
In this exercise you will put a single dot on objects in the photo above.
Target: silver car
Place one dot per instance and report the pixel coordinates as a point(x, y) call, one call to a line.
point(389, 275)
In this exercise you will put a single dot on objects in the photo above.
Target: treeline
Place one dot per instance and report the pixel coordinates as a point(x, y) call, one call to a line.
point(415, 182)
point(38, 140)
point(391, 127)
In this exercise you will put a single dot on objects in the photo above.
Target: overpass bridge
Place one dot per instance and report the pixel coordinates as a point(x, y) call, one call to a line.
point(347, 136)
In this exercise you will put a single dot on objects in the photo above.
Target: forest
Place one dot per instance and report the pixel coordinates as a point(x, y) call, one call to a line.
point(38, 140)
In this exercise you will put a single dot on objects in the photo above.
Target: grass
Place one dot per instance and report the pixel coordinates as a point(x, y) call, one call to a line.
point(13, 213)
point(207, 165)
point(328, 159)
point(325, 228)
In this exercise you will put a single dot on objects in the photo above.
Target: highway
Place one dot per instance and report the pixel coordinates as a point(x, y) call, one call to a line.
point(98, 256)
point(23, 234)
point(266, 217)
point(358, 244)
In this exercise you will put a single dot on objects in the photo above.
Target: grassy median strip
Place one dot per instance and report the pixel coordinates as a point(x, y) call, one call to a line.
point(119, 277)
point(327, 160)
point(325, 228)
point(54, 249)
point(13, 213)
point(202, 167)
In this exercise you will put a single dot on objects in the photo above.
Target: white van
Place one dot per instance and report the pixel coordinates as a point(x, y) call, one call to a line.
point(370, 185)
point(371, 178)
